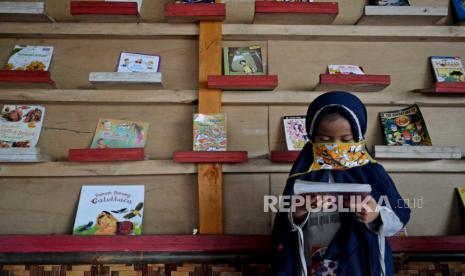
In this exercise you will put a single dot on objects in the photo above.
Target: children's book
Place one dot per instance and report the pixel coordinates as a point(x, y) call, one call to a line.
point(30, 58)
point(112, 133)
point(405, 127)
point(243, 61)
point(210, 132)
point(390, 2)
point(139, 2)
point(133, 62)
point(110, 210)
point(20, 125)
point(294, 129)
point(448, 69)
point(345, 70)
point(461, 192)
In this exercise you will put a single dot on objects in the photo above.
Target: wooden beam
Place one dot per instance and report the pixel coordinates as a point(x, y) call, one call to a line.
point(210, 175)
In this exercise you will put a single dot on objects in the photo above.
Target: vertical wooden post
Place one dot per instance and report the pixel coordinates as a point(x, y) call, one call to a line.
point(210, 175)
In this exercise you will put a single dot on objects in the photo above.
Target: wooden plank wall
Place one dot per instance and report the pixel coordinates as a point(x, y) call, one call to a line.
point(45, 205)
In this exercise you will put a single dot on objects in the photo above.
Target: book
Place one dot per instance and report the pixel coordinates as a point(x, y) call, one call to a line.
point(302, 187)
point(20, 125)
point(405, 127)
point(390, 2)
point(194, 1)
point(210, 132)
point(30, 58)
point(133, 62)
point(110, 210)
point(243, 60)
point(459, 7)
point(294, 129)
point(111, 133)
point(448, 69)
point(461, 193)
point(345, 70)
point(139, 2)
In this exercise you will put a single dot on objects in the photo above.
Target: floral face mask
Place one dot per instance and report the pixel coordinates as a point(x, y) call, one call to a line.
point(331, 156)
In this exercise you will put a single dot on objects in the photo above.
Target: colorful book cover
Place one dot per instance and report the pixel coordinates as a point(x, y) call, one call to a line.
point(133, 62)
point(110, 210)
point(461, 192)
point(139, 2)
point(448, 69)
point(210, 132)
point(20, 125)
point(459, 6)
point(390, 2)
point(345, 70)
point(405, 127)
point(243, 61)
point(30, 58)
point(112, 133)
point(294, 129)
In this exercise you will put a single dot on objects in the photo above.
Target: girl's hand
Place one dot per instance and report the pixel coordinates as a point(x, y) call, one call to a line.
point(367, 212)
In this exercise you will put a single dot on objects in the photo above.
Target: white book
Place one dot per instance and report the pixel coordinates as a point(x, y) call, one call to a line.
point(20, 125)
point(345, 70)
point(30, 58)
point(308, 187)
point(134, 62)
point(294, 129)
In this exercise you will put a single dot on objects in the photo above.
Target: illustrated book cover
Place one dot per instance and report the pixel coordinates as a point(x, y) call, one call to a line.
point(294, 129)
point(210, 132)
point(133, 62)
point(461, 193)
point(243, 60)
point(30, 58)
point(405, 127)
point(390, 2)
point(345, 70)
point(448, 69)
point(20, 125)
point(111, 133)
point(110, 210)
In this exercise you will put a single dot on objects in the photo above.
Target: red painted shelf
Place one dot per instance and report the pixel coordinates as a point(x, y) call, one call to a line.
point(101, 11)
point(210, 156)
point(445, 88)
point(26, 78)
point(98, 155)
point(284, 156)
point(356, 83)
point(244, 82)
point(272, 12)
point(195, 12)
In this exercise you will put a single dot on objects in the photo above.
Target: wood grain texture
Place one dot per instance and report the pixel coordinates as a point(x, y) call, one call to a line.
point(210, 193)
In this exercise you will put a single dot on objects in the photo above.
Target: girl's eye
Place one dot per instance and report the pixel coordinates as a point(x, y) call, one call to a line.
point(347, 139)
point(325, 138)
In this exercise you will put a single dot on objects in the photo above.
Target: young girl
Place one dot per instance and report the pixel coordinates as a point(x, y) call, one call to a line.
point(338, 243)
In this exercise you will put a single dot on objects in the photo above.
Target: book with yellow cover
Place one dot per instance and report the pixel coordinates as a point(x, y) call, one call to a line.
point(111, 133)
point(210, 132)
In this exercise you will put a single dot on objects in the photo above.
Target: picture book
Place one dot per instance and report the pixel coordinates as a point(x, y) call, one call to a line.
point(139, 2)
point(405, 127)
point(110, 210)
point(294, 129)
point(448, 69)
point(30, 58)
point(243, 60)
point(112, 133)
point(20, 125)
point(133, 62)
point(345, 69)
point(461, 192)
point(210, 132)
point(390, 2)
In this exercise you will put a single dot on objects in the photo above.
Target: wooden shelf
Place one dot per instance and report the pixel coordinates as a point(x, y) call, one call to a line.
point(23, 12)
point(195, 12)
point(25, 79)
point(298, 13)
point(284, 156)
point(21, 155)
point(112, 154)
point(417, 152)
point(210, 156)
point(102, 11)
point(444, 88)
point(246, 82)
point(402, 15)
point(133, 80)
point(356, 83)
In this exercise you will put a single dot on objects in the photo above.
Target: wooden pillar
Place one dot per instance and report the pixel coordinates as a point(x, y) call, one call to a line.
point(210, 175)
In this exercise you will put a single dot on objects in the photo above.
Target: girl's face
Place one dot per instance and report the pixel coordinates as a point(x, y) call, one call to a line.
point(334, 131)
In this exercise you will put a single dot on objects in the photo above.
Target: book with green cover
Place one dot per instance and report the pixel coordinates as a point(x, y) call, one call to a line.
point(243, 61)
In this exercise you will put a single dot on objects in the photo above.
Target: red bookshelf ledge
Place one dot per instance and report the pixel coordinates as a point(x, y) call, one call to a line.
point(356, 83)
point(271, 12)
point(210, 156)
point(98, 155)
point(445, 88)
point(195, 12)
point(284, 156)
point(101, 11)
point(248, 82)
point(25, 78)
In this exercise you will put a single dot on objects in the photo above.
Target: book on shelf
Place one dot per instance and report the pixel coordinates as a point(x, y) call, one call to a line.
point(20, 125)
point(110, 210)
point(30, 58)
point(390, 2)
point(194, 1)
point(139, 2)
point(345, 70)
point(461, 193)
point(111, 133)
point(405, 127)
point(448, 69)
point(243, 60)
point(134, 62)
point(294, 130)
point(459, 7)
point(209, 132)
